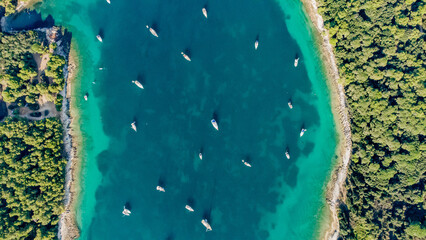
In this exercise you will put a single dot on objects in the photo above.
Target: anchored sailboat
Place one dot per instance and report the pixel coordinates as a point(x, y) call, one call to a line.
point(133, 125)
point(206, 224)
point(160, 189)
point(204, 12)
point(186, 56)
point(296, 61)
point(246, 163)
point(302, 132)
point(189, 208)
point(214, 123)
point(126, 212)
point(152, 31)
point(137, 83)
point(99, 38)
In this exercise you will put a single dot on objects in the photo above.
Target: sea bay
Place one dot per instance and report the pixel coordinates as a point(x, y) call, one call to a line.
point(246, 90)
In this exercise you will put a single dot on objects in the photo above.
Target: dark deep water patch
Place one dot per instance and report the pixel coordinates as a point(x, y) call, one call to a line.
point(26, 20)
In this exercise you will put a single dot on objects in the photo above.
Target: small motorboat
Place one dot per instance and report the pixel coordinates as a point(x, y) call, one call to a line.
point(152, 31)
point(204, 12)
point(86, 96)
point(133, 125)
point(137, 83)
point(287, 154)
point(256, 44)
point(189, 208)
point(126, 212)
point(160, 189)
point(101, 68)
point(246, 163)
point(302, 132)
point(296, 61)
point(200, 155)
point(214, 123)
point(185, 56)
point(290, 105)
point(206, 224)
point(99, 38)
point(108, 1)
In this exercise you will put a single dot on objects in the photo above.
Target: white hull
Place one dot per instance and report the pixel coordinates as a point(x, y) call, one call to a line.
point(133, 125)
point(126, 212)
point(86, 97)
point(287, 155)
point(99, 38)
point(246, 163)
point(214, 123)
point(189, 208)
point(206, 224)
point(152, 31)
point(137, 83)
point(290, 105)
point(186, 56)
point(204, 12)
point(256, 44)
point(302, 132)
point(296, 62)
point(108, 1)
point(160, 189)
point(200, 155)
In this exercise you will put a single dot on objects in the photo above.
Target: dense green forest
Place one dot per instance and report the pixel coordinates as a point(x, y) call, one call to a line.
point(31, 178)
point(19, 71)
point(380, 50)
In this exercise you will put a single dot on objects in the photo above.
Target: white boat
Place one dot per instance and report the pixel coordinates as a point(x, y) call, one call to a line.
point(206, 224)
point(86, 97)
point(200, 155)
point(133, 125)
point(214, 123)
point(189, 208)
point(256, 44)
point(296, 61)
point(246, 163)
point(287, 154)
point(99, 38)
point(153, 32)
point(290, 105)
point(126, 212)
point(101, 68)
point(108, 1)
point(185, 56)
point(302, 132)
point(204, 12)
point(160, 189)
point(137, 83)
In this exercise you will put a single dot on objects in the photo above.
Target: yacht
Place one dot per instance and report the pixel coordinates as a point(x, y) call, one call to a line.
point(302, 132)
point(186, 56)
point(290, 105)
point(137, 83)
point(134, 126)
point(200, 155)
point(108, 1)
point(86, 96)
point(126, 212)
point(99, 38)
point(214, 123)
point(101, 68)
point(296, 61)
point(246, 163)
point(256, 44)
point(206, 224)
point(189, 208)
point(204, 12)
point(153, 32)
point(160, 189)
point(287, 154)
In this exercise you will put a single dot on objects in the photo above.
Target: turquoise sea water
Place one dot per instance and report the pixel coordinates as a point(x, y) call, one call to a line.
point(246, 90)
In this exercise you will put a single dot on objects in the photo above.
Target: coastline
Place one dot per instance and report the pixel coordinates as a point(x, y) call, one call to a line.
point(335, 190)
point(68, 227)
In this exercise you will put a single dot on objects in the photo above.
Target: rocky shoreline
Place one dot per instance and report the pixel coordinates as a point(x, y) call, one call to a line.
point(67, 227)
point(335, 188)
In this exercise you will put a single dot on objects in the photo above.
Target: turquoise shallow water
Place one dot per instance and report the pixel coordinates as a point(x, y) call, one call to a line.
point(246, 90)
